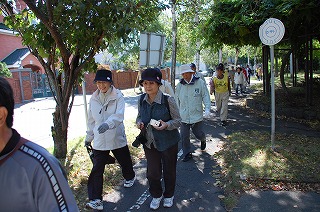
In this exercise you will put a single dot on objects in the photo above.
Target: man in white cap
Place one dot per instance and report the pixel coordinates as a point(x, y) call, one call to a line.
point(191, 94)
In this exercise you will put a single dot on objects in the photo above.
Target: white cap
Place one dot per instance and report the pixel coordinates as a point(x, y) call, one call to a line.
point(185, 69)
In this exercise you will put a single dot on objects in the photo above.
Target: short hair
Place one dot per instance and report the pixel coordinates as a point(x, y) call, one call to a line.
point(7, 100)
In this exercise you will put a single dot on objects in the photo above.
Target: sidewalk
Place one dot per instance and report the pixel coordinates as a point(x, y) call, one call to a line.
point(195, 190)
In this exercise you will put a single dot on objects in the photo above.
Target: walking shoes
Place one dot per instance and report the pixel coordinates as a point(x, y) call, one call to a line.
point(95, 204)
point(155, 203)
point(168, 202)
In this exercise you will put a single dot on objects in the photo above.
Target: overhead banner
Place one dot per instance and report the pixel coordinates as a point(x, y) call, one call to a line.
point(152, 48)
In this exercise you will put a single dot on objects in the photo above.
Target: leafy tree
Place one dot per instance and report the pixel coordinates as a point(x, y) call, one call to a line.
point(65, 35)
point(4, 71)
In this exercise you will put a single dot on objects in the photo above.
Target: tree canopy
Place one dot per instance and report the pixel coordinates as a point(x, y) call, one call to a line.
point(65, 35)
point(237, 23)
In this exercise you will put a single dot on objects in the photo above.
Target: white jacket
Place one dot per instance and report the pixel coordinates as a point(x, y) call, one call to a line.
point(239, 78)
point(110, 112)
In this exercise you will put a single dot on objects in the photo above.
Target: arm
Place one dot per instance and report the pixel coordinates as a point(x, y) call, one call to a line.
point(175, 121)
point(116, 119)
point(50, 187)
point(91, 123)
point(206, 98)
point(168, 89)
point(212, 88)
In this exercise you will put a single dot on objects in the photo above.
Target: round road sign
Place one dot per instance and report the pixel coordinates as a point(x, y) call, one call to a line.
point(271, 31)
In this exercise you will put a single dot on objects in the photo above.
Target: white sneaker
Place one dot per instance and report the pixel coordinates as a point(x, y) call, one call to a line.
point(168, 202)
point(95, 204)
point(129, 183)
point(155, 203)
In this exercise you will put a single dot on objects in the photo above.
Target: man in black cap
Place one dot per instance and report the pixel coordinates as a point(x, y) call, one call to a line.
point(196, 73)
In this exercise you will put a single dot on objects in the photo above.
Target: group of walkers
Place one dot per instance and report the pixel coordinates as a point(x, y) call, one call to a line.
point(160, 115)
point(164, 120)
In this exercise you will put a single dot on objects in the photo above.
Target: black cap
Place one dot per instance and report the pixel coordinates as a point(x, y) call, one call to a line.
point(103, 75)
point(151, 74)
point(192, 65)
point(220, 67)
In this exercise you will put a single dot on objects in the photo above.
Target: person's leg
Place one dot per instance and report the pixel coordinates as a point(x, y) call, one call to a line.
point(237, 89)
point(154, 171)
point(224, 107)
point(124, 158)
point(197, 129)
point(218, 103)
point(185, 138)
point(95, 181)
point(241, 88)
point(169, 160)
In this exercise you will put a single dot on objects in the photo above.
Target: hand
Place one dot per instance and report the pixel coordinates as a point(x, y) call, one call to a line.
point(206, 114)
point(140, 125)
point(163, 125)
point(103, 127)
point(87, 143)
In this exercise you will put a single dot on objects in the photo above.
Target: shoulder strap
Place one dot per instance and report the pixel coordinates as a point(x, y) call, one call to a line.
point(19, 144)
point(141, 98)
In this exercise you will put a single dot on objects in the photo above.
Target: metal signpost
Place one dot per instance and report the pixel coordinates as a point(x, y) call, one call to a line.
point(152, 47)
point(271, 32)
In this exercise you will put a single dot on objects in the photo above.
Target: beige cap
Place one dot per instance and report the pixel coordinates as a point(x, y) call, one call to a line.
point(185, 69)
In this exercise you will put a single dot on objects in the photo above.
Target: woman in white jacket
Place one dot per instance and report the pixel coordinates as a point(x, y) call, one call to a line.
point(239, 80)
point(106, 128)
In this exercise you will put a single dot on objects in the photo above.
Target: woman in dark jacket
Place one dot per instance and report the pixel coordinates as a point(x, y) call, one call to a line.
point(158, 116)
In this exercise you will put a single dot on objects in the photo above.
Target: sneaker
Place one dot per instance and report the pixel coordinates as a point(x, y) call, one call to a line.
point(187, 157)
point(203, 145)
point(129, 183)
point(168, 202)
point(155, 203)
point(95, 204)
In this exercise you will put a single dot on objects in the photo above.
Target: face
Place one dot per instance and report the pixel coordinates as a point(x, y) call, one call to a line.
point(187, 76)
point(150, 87)
point(103, 86)
point(219, 72)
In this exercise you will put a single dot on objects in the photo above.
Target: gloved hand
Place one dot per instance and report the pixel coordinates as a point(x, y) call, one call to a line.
point(87, 143)
point(206, 114)
point(103, 127)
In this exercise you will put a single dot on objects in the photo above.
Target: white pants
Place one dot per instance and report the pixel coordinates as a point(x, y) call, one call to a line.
point(222, 105)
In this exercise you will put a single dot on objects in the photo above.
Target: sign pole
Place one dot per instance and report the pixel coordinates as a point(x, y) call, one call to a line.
point(273, 105)
point(271, 32)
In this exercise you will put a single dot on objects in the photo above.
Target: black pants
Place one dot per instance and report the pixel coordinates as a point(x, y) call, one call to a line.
point(95, 181)
point(158, 162)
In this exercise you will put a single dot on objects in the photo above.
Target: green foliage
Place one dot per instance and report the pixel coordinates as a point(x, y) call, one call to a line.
point(65, 36)
point(237, 22)
point(4, 71)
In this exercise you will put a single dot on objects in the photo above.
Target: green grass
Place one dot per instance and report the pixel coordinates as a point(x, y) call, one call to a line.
point(248, 162)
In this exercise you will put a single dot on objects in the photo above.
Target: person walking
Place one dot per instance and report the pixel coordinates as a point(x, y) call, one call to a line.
point(166, 87)
point(239, 80)
point(191, 94)
point(196, 73)
point(106, 128)
point(31, 179)
point(159, 116)
point(220, 87)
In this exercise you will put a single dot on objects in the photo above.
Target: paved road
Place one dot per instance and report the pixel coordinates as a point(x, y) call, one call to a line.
point(33, 120)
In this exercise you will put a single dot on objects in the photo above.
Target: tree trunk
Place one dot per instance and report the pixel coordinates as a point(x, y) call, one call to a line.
point(59, 134)
point(174, 45)
point(285, 61)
